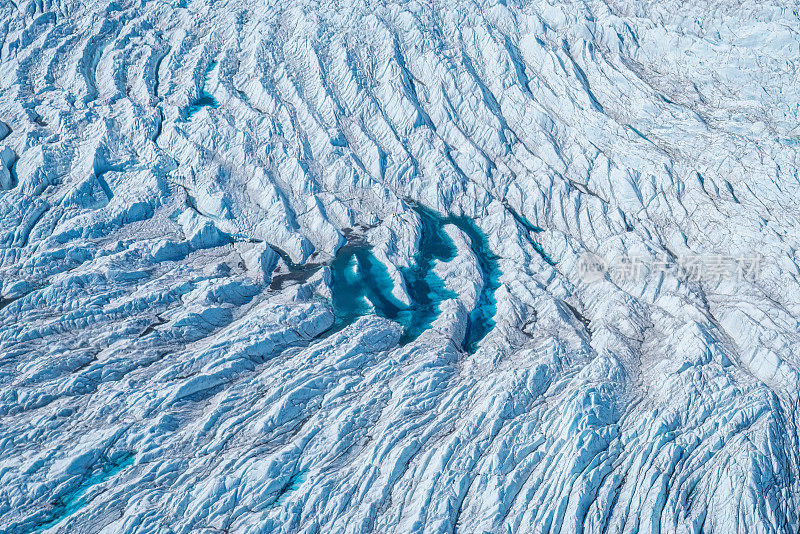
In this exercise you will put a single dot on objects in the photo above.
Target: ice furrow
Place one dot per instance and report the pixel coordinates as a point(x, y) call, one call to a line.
point(316, 267)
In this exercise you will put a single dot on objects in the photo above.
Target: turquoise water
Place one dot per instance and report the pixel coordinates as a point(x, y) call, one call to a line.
point(292, 485)
point(205, 99)
point(74, 500)
point(481, 319)
point(361, 285)
point(359, 282)
point(425, 289)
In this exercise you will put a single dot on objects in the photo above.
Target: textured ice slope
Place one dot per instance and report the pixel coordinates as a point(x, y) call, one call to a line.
point(178, 178)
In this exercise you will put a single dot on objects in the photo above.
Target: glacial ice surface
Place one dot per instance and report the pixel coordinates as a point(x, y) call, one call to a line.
point(313, 266)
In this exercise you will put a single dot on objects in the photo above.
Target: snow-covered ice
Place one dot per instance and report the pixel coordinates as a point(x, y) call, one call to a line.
point(314, 266)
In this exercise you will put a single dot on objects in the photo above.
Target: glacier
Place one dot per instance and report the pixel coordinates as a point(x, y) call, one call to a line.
point(315, 266)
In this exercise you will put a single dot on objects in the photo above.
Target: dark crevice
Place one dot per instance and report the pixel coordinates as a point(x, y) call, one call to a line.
point(297, 274)
point(5, 301)
point(159, 125)
point(292, 485)
point(25, 234)
point(5, 130)
point(12, 171)
point(524, 222)
point(519, 65)
point(152, 327)
point(580, 317)
point(156, 69)
point(583, 79)
point(408, 83)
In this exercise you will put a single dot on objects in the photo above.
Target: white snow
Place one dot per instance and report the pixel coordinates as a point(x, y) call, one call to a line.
point(176, 179)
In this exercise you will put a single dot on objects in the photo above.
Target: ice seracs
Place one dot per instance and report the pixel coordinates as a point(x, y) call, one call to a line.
point(314, 267)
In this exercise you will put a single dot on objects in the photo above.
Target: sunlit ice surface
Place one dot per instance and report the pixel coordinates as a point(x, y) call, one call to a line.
point(399, 267)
